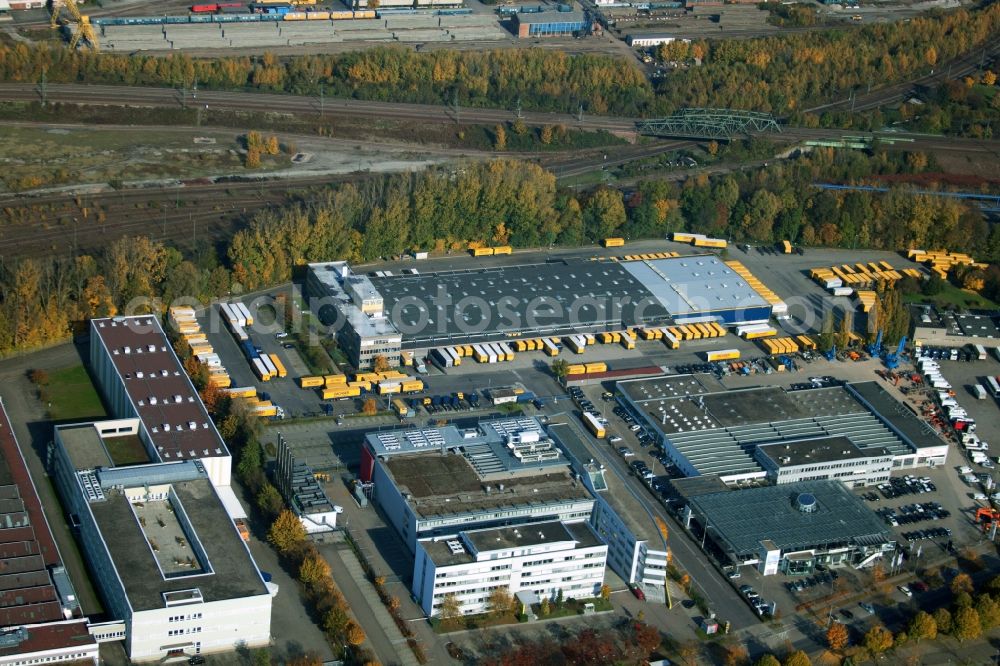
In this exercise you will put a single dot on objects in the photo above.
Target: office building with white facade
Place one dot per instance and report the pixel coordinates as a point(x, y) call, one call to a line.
point(543, 559)
point(825, 458)
point(141, 377)
point(350, 302)
point(435, 482)
point(161, 545)
point(637, 549)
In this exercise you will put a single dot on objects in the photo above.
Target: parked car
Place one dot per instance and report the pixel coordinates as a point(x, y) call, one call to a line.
point(867, 607)
point(625, 452)
point(905, 590)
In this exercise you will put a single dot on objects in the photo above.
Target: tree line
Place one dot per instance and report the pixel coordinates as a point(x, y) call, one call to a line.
point(499, 202)
point(782, 74)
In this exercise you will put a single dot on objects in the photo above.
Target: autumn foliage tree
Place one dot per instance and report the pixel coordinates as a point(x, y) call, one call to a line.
point(286, 533)
point(877, 640)
point(837, 637)
point(922, 626)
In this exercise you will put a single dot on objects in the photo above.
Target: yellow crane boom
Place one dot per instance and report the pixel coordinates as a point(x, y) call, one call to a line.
point(83, 30)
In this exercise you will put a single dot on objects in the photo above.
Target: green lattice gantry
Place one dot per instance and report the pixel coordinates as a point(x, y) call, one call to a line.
point(710, 124)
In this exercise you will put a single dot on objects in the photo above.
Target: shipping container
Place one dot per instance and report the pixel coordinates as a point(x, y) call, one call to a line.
point(389, 387)
point(482, 251)
point(980, 352)
point(508, 352)
point(993, 384)
point(279, 366)
point(402, 410)
point(549, 347)
point(722, 355)
point(596, 367)
point(670, 340)
point(479, 353)
point(491, 352)
point(627, 342)
point(575, 369)
point(269, 365)
point(412, 386)
point(310, 382)
point(594, 426)
point(502, 249)
point(260, 369)
point(340, 392)
point(245, 312)
point(442, 359)
point(613, 242)
point(242, 392)
point(335, 380)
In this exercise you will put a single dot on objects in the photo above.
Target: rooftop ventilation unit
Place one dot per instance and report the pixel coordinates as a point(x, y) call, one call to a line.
point(806, 503)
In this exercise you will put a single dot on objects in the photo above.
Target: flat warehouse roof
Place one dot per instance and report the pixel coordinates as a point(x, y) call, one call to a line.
point(448, 485)
point(818, 450)
point(717, 432)
point(555, 296)
point(234, 573)
point(162, 394)
point(699, 283)
point(916, 432)
point(743, 518)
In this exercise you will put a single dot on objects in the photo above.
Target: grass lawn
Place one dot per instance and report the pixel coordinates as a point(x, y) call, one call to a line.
point(71, 395)
point(126, 450)
point(953, 296)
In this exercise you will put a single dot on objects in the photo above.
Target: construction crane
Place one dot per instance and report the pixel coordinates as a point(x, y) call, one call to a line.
point(84, 30)
point(875, 348)
point(892, 360)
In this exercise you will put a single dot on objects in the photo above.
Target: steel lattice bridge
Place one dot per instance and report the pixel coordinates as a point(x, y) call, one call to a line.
point(697, 123)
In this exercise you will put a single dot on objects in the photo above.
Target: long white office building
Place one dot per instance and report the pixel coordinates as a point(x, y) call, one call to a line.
point(140, 376)
point(543, 558)
point(163, 550)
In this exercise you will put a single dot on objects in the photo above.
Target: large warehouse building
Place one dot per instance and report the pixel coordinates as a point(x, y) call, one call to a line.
point(169, 562)
point(384, 313)
point(40, 614)
point(719, 433)
point(141, 377)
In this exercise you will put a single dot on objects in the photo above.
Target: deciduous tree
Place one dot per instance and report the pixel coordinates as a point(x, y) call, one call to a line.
point(836, 637)
point(966, 625)
point(286, 533)
point(878, 640)
point(922, 626)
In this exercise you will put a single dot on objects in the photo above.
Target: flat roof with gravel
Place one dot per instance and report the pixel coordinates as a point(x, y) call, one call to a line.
point(717, 432)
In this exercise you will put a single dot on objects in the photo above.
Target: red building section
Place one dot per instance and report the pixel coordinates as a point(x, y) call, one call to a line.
point(27, 550)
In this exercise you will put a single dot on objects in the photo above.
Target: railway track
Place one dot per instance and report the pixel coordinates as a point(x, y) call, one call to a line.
point(208, 211)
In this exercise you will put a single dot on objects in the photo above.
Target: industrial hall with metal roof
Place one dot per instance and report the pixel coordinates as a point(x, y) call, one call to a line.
point(414, 310)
